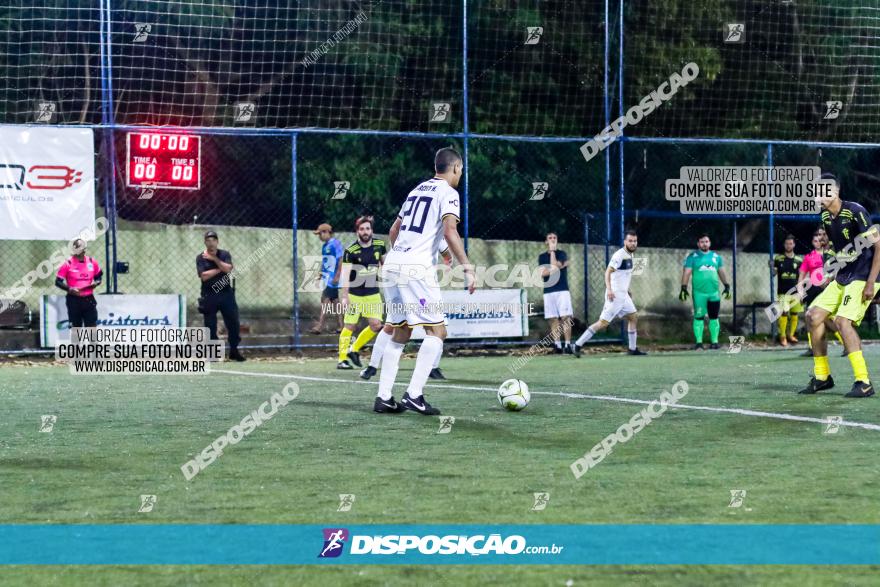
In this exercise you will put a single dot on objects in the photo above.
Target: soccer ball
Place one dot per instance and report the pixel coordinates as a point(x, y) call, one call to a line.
point(513, 395)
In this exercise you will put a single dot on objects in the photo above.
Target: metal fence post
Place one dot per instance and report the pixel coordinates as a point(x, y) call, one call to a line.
point(108, 121)
point(295, 251)
point(464, 98)
point(622, 140)
point(733, 271)
point(109, 235)
point(772, 240)
point(586, 268)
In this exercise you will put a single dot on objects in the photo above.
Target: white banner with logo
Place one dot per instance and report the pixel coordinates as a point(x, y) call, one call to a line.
point(47, 182)
point(155, 311)
point(487, 313)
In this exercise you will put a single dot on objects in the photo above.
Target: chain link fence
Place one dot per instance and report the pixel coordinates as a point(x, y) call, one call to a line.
point(311, 113)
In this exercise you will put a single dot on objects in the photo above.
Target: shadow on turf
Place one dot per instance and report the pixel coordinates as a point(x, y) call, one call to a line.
point(44, 463)
point(494, 432)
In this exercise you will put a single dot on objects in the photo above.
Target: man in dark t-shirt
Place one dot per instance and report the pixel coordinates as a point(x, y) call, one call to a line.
point(557, 299)
point(214, 266)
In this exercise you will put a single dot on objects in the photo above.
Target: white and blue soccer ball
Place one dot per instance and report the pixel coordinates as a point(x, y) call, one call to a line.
point(513, 395)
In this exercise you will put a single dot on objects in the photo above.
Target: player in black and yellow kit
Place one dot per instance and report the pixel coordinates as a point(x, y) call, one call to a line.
point(856, 244)
point(359, 291)
point(785, 267)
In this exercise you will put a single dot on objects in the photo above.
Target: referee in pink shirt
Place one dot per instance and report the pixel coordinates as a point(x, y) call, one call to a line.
point(79, 276)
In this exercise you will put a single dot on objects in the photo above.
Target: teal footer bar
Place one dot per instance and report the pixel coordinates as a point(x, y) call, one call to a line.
point(440, 544)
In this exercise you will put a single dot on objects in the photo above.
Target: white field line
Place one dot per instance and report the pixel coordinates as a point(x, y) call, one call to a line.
point(608, 398)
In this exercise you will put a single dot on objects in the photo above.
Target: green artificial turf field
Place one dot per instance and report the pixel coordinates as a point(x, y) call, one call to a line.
point(119, 437)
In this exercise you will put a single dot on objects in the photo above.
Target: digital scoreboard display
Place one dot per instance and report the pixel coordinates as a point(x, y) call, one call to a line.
point(160, 160)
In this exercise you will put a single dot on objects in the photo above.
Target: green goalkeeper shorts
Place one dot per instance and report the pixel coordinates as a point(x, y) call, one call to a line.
point(701, 303)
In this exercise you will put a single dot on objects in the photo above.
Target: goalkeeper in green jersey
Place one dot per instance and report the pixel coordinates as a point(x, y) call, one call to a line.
point(706, 267)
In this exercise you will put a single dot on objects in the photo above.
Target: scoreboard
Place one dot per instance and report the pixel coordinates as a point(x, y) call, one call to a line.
point(163, 160)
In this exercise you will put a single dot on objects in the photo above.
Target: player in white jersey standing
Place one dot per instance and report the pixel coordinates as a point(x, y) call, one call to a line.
point(387, 330)
point(618, 301)
point(430, 213)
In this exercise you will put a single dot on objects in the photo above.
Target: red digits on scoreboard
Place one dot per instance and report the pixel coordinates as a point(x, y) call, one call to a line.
point(182, 172)
point(154, 142)
point(142, 171)
point(165, 160)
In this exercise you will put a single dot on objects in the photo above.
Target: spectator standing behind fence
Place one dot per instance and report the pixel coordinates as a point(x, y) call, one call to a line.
point(331, 269)
point(214, 266)
point(557, 299)
point(79, 276)
point(785, 267)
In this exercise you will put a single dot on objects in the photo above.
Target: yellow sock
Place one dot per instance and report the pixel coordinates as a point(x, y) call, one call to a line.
point(783, 325)
point(344, 341)
point(809, 340)
point(792, 324)
point(860, 369)
point(363, 338)
point(838, 337)
point(821, 370)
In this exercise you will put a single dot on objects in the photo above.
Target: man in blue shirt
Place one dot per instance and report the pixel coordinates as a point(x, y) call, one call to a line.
point(331, 269)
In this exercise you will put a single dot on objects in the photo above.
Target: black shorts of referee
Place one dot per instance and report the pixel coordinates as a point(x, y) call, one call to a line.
point(82, 311)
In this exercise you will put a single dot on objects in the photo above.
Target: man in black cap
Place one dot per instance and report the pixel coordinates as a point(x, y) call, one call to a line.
point(214, 266)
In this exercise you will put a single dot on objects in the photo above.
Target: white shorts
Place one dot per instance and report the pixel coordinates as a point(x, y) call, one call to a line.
point(620, 307)
point(557, 304)
point(411, 302)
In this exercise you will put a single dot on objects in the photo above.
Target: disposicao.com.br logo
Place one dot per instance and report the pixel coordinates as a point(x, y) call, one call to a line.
point(431, 544)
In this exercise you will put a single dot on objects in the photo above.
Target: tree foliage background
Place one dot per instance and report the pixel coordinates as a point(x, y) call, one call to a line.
point(384, 74)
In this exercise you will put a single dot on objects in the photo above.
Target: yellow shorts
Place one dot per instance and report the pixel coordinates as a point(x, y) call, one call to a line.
point(790, 303)
point(363, 307)
point(843, 300)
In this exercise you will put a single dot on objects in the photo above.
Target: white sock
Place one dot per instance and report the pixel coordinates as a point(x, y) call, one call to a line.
point(559, 344)
point(437, 360)
point(390, 364)
point(585, 337)
point(432, 348)
point(632, 334)
point(379, 348)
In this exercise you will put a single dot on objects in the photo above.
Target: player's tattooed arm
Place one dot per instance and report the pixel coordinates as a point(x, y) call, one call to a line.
point(868, 292)
point(455, 244)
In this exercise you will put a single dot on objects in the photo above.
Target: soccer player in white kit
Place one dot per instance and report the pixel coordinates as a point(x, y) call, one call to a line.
point(430, 213)
point(618, 301)
point(385, 335)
